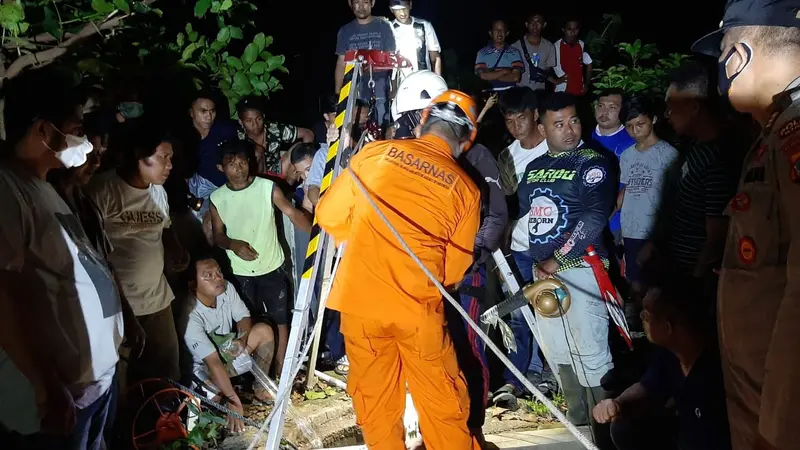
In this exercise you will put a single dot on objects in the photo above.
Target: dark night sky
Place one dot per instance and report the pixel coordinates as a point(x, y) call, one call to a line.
point(308, 39)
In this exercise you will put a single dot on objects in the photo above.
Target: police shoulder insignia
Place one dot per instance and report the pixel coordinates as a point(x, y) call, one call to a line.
point(594, 175)
point(789, 128)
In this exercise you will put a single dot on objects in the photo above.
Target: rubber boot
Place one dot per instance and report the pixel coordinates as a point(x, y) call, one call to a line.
point(573, 395)
point(600, 432)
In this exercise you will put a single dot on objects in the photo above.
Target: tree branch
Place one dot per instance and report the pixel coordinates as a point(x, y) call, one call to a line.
point(47, 56)
point(33, 42)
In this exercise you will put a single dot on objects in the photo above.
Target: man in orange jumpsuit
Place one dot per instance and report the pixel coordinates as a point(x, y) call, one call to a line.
point(392, 315)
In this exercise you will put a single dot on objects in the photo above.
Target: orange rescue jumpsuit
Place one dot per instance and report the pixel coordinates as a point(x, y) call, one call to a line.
point(392, 315)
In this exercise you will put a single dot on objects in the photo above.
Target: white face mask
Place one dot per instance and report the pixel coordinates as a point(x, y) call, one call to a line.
point(75, 153)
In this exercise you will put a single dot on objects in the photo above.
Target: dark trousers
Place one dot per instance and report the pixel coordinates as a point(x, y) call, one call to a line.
point(333, 337)
point(526, 358)
point(90, 426)
point(470, 351)
point(160, 357)
point(655, 432)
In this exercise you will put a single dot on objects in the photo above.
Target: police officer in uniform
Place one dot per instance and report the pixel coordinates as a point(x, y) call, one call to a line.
point(758, 46)
point(568, 194)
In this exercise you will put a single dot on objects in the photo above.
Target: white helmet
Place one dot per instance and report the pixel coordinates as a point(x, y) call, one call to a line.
point(417, 91)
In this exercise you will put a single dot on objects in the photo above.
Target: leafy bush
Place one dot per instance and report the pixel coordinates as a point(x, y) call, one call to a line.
point(97, 39)
point(642, 73)
point(235, 74)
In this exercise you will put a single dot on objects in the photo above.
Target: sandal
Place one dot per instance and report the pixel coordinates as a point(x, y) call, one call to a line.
point(342, 366)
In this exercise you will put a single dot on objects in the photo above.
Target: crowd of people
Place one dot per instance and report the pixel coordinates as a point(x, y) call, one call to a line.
point(134, 250)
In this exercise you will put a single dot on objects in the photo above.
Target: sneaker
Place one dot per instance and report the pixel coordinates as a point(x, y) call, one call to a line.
point(542, 382)
point(548, 385)
point(506, 397)
point(534, 377)
point(342, 366)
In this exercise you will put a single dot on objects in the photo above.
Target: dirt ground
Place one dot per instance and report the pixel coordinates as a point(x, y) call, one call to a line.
point(330, 422)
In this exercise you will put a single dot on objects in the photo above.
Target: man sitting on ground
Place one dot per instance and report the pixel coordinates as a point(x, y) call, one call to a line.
point(686, 369)
point(218, 352)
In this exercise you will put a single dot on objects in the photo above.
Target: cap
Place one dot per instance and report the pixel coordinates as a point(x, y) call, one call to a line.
point(739, 13)
point(396, 4)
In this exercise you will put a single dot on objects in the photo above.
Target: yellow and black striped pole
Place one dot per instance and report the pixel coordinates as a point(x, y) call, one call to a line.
point(313, 262)
point(343, 110)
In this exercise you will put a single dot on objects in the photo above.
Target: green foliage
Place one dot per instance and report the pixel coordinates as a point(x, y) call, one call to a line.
point(215, 39)
point(12, 19)
point(641, 73)
point(206, 433)
point(325, 392)
point(536, 407)
point(601, 42)
point(250, 71)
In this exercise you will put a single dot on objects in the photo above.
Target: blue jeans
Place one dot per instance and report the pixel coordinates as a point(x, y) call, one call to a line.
point(90, 424)
point(527, 358)
point(202, 188)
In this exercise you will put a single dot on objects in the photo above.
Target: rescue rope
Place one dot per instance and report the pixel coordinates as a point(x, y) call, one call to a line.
point(585, 441)
point(279, 400)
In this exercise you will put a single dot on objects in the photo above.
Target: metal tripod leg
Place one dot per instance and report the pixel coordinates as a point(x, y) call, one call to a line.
point(513, 286)
point(314, 258)
point(327, 281)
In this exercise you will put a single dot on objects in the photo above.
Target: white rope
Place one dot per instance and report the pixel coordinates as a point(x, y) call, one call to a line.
point(500, 355)
point(278, 403)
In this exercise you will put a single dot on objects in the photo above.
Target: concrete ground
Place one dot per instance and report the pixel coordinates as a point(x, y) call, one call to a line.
point(553, 439)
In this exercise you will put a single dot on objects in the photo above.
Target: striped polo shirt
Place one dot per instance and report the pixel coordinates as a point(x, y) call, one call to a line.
point(708, 179)
point(491, 57)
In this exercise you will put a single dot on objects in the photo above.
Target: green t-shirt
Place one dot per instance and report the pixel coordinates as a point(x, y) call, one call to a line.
point(249, 216)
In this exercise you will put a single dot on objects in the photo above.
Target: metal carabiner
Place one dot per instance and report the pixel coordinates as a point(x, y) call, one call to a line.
point(371, 82)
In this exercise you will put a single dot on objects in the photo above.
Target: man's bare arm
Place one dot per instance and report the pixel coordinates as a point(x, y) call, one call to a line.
point(716, 231)
point(299, 218)
point(220, 237)
point(511, 76)
point(313, 194)
point(587, 80)
point(305, 135)
point(219, 376)
point(339, 74)
point(436, 61)
point(493, 74)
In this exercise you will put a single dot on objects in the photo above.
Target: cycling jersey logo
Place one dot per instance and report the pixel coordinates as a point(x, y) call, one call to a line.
point(550, 175)
point(548, 216)
point(594, 176)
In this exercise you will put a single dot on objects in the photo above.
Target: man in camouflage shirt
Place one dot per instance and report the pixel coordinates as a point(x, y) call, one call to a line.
point(269, 137)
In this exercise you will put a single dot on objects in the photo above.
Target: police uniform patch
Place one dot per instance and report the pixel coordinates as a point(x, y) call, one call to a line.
point(740, 202)
point(594, 176)
point(747, 250)
point(789, 128)
point(791, 149)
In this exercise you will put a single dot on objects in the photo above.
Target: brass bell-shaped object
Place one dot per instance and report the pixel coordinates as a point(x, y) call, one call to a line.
point(549, 297)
